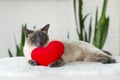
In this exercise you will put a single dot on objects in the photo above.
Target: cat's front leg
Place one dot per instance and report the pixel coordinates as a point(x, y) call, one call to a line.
point(32, 62)
point(57, 63)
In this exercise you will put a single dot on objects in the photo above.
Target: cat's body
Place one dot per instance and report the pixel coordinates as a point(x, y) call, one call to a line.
point(74, 51)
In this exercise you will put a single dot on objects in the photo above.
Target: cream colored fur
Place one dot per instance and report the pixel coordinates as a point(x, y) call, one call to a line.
point(74, 51)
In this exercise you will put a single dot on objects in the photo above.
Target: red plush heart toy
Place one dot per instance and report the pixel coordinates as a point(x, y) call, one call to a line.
point(45, 56)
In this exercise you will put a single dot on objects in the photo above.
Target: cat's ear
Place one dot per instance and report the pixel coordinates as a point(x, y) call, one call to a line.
point(45, 28)
point(27, 31)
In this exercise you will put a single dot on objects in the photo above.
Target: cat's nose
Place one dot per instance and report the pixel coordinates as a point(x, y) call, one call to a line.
point(41, 43)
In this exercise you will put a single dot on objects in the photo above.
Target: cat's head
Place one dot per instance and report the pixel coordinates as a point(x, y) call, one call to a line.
point(38, 37)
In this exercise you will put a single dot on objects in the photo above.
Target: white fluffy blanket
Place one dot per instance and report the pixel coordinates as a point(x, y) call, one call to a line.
point(17, 68)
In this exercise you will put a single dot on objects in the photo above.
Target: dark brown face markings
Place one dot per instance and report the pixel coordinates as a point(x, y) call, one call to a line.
point(37, 38)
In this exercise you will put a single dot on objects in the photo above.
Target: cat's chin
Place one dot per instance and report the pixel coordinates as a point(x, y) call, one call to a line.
point(37, 45)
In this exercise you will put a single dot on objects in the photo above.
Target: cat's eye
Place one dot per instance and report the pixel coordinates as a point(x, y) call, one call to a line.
point(33, 39)
point(43, 37)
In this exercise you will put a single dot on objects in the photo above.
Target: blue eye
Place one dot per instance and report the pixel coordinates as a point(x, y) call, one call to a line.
point(43, 38)
point(34, 39)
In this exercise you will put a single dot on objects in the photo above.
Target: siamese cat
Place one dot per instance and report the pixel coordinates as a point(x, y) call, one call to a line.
point(74, 51)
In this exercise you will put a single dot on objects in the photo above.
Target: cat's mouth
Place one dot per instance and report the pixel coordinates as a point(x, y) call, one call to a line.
point(40, 44)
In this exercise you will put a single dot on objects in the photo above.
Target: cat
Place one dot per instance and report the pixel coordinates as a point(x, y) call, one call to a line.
point(74, 50)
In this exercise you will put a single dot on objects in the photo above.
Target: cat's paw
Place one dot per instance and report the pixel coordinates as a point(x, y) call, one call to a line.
point(32, 62)
point(106, 60)
point(55, 65)
point(58, 63)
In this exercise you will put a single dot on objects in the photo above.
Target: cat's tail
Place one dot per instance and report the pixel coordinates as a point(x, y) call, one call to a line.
point(107, 52)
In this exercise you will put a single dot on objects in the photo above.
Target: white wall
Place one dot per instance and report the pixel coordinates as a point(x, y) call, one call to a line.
point(58, 13)
point(119, 27)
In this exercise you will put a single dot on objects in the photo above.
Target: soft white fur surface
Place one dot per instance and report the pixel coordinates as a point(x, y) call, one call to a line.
point(17, 68)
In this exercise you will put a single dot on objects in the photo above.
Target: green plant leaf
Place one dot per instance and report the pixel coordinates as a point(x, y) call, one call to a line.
point(81, 22)
point(96, 20)
point(99, 27)
point(95, 30)
point(10, 54)
point(85, 36)
point(78, 33)
point(104, 33)
point(68, 35)
point(90, 30)
point(75, 13)
point(104, 7)
point(22, 41)
point(99, 32)
point(85, 17)
point(17, 50)
point(85, 33)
